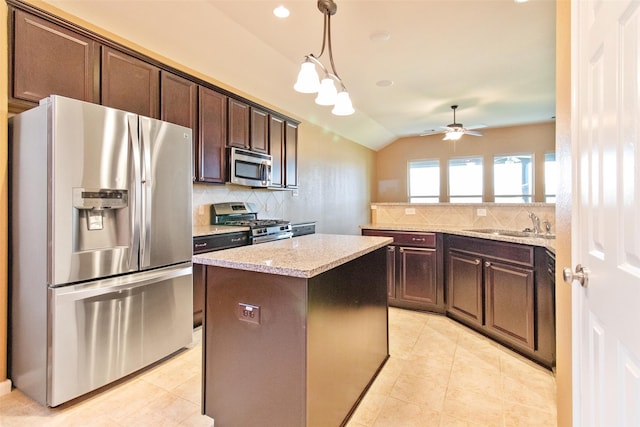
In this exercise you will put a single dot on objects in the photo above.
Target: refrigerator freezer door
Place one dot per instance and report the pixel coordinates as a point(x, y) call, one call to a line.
point(166, 193)
point(104, 330)
point(92, 218)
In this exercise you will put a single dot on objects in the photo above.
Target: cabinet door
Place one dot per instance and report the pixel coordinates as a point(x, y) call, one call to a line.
point(129, 84)
point(509, 303)
point(418, 275)
point(238, 124)
point(212, 135)
point(259, 130)
point(464, 286)
point(179, 105)
point(199, 280)
point(276, 149)
point(391, 272)
point(291, 156)
point(49, 59)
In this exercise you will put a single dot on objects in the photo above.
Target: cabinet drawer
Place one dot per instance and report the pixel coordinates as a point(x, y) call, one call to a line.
point(406, 238)
point(505, 251)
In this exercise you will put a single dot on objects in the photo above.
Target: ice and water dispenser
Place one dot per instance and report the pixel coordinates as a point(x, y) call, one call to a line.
point(101, 219)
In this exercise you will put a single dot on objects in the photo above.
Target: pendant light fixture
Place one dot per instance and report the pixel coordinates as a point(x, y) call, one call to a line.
point(308, 79)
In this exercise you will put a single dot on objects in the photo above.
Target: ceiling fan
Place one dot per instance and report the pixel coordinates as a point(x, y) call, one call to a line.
point(454, 131)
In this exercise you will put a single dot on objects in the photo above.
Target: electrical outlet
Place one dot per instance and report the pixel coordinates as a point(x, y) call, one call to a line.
point(248, 313)
point(481, 212)
point(409, 211)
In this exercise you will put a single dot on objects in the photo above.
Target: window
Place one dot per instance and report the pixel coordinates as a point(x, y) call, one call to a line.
point(465, 180)
point(513, 178)
point(424, 181)
point(550, 177)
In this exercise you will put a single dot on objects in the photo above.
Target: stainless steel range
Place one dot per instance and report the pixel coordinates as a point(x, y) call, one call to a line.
point(246, 215)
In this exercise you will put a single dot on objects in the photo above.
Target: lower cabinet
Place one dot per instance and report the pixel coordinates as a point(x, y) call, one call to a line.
point(414, 270)
point(496, 288)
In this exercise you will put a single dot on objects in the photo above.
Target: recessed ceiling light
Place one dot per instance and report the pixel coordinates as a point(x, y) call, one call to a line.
point(384, 83)
point(520, 1)
point(281, 12)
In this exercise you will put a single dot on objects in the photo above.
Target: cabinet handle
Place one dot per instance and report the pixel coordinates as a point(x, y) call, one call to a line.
point(401, 249)
point(200, 245)
point(415, 239)
point(477, 261)
point(390, 249)
point(487, 264)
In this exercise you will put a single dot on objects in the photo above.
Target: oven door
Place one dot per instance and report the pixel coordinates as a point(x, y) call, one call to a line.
point(249, 168)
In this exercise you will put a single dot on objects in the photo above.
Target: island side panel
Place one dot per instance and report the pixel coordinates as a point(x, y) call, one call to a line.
point(347, 338)
point(254, 370)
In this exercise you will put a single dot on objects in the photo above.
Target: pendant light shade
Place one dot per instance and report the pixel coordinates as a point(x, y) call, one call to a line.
point(308, 79)
point(343, 105)
point(328, 93)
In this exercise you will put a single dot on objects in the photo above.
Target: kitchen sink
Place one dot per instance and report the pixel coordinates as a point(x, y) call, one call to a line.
point(513, 233)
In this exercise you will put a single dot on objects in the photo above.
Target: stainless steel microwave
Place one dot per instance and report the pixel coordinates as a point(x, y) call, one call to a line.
point(249, 168)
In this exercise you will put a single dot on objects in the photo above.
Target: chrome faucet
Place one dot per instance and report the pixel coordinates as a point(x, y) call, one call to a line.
point(536, 222)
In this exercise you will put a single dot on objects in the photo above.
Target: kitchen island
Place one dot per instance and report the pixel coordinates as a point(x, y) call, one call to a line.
point(295, 330)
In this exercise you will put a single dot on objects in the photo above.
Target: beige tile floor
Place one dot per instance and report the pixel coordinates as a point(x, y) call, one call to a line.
point(439, 374)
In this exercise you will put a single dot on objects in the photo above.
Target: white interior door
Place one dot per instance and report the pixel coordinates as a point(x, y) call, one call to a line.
point(606, 211)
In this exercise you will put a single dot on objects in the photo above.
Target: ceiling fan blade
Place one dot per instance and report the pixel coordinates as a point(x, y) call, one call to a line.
point(477, 127)
point(472, 132)
point(430, 132)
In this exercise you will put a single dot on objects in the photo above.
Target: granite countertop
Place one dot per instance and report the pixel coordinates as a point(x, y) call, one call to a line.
point(208, 230)
point(464, 231)
point(304, 256)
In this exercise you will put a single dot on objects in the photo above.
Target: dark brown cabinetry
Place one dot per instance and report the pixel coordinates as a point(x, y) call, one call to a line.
point(238, 124)
point(49, 55)
point(212, 136)
point(179, 105)
point(283, 147)
point(49, 59)
point(493, 287)
point(259, 130)
point(276, 149)
point(129, 84)
point(414, 269)
point(291, 155)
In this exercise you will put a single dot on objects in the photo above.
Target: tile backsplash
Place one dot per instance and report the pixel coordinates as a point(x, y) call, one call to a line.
point(486, 215)
point(270, 203)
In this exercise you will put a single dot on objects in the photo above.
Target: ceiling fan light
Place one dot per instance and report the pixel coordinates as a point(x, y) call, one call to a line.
point(327, 93)
point(343, 106)
point(453, 136)
point(308, 79)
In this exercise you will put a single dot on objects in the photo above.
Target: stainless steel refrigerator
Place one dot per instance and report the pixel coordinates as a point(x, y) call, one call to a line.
point(101, 246)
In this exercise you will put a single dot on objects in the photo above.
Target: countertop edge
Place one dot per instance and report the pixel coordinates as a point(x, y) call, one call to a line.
point(460, 231)
point(233, 258)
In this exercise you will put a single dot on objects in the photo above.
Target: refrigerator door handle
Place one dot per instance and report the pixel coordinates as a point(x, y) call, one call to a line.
point(145, 203)
point(136, 196)
point(121, 285)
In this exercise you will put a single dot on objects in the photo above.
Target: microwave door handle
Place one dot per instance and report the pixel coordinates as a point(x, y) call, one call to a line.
point(263, 172)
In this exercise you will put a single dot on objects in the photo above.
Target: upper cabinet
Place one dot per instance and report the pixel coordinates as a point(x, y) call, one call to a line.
point(49, 59)
point(211, 156)
point(259, 130)
point(276, 149)
point(291, 155)
point(238, 124)
point(129, 84)
point(179, 105)
point(49, 55)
